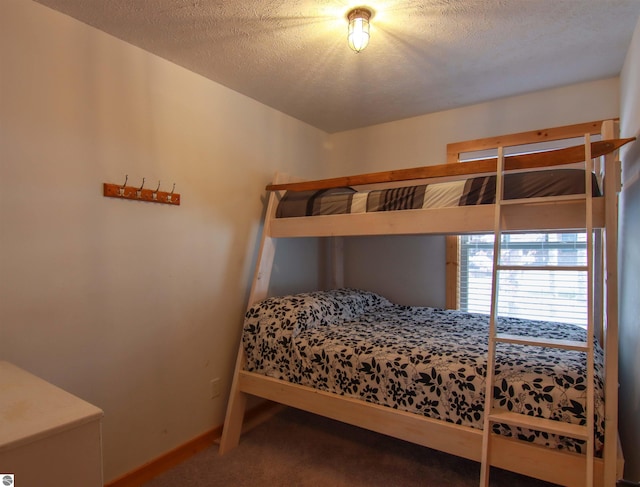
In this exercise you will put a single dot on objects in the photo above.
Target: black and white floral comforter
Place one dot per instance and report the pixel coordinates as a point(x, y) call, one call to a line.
point(423, 360)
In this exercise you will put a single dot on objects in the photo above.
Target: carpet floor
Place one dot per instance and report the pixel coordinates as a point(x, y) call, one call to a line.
point(298, 449)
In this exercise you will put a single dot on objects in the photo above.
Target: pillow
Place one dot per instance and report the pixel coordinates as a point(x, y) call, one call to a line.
point(300, 312)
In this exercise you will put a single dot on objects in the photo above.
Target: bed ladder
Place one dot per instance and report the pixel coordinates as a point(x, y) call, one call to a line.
point(496, 415)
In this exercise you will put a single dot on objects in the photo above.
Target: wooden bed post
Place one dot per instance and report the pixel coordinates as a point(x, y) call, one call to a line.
point(259, 288)
point(611, 191)
point(598, 285)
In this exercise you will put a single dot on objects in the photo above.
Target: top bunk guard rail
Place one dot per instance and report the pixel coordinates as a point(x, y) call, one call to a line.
point(568, 155)
point(541, 214)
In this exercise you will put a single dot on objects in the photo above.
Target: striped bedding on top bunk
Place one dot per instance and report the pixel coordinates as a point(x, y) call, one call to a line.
point(474, 191)
point(425, 361)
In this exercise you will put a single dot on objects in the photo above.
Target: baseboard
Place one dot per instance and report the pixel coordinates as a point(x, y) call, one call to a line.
point(165, 462)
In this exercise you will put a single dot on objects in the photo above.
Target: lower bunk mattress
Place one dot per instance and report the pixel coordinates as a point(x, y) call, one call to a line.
point(422, 360)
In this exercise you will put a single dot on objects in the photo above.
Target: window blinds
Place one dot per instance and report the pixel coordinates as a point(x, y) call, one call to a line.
point(551, 295)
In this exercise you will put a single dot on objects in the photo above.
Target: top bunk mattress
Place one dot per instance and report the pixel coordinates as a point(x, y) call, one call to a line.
point(473, 191)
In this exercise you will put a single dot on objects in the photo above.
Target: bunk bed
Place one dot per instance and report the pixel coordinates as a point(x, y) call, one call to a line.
point(266, 367)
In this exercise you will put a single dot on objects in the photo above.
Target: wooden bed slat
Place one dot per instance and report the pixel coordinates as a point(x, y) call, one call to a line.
point(570, 155)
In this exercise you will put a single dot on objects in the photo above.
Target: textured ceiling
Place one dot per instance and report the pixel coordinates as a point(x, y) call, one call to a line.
point(424, 56)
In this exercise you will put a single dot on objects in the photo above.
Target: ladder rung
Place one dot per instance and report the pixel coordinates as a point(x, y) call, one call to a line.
point(565, 268)
point(539, 424)
point(543, 342)
point(544, 199)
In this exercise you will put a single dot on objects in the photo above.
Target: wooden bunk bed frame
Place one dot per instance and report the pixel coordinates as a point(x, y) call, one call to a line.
point(561, 467)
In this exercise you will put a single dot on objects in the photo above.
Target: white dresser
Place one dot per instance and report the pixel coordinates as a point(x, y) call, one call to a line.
point(48, 437)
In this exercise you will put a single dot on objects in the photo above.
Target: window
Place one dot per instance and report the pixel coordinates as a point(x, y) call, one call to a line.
point(469, 258)
point(545, 294)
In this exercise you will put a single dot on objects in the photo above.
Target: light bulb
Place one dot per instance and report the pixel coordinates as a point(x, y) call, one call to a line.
point(358, 28)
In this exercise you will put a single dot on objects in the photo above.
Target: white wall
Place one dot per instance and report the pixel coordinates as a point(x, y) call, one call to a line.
point(422, 141)
point(630, 263)
point(132, 306)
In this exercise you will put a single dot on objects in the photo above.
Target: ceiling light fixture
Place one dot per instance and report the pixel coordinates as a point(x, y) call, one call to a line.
point(358, 28)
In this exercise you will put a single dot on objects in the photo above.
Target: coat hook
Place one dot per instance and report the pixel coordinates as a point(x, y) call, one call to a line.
point(171, 194)
point(155, 193)
point(121, 188)
point(139, 191)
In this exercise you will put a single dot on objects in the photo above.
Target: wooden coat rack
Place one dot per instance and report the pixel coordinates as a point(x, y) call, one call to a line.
point(141, 194)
